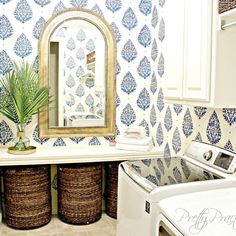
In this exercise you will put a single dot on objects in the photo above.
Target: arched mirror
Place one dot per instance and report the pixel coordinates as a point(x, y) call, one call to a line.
point(77, 56)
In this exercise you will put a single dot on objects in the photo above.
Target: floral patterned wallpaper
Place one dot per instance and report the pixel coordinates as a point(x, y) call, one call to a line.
point(140, 72)
point(78, 96)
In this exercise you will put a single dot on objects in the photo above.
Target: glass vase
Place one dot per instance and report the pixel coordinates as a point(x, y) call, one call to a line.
point(21, 142)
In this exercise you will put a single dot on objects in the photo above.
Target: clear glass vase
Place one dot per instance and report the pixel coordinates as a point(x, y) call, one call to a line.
point(21, 142)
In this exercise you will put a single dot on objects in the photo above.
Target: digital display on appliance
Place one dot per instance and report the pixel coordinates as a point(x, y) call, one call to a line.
point(223, 160)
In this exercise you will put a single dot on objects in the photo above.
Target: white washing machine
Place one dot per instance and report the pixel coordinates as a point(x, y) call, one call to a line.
point(203, 213)
point(142, 184)
point(166, 228)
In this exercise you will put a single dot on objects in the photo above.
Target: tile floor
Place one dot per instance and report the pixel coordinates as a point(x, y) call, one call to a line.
point(106, 226)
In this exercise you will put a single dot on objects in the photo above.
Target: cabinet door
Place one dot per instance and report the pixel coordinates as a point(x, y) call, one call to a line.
point(173, 48)
point(197, 55)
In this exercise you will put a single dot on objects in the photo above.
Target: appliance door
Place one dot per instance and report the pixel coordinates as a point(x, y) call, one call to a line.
point(166, 228)
point(135, 215)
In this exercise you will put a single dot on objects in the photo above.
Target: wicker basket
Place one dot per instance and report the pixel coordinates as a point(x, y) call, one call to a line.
point(80, 193)
point(27, 193)
point(111, 188)
point(225, 5)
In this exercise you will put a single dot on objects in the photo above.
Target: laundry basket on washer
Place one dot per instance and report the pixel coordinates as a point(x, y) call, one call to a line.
point(226, 5)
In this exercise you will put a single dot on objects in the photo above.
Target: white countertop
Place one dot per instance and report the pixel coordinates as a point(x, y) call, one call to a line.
point(59, 155)
point(203, 213)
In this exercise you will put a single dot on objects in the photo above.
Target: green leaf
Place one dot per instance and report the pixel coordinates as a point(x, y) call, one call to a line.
point(21, 96)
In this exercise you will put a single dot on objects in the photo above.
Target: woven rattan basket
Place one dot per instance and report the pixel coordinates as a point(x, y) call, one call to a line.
point(27, 196)
point(80, 193)
point(111, 188)
point(225, 5)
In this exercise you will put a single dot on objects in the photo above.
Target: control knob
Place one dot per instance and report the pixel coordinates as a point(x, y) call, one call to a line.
point(207, 155)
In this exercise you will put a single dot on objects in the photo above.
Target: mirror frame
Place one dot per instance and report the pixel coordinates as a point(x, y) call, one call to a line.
point(110, 81)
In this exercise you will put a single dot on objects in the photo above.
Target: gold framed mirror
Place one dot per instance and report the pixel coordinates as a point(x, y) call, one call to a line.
point(77, 55)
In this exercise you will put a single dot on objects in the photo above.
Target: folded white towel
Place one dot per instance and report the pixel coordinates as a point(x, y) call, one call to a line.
point(134, 147)
point(136, 141)
point(135, 132)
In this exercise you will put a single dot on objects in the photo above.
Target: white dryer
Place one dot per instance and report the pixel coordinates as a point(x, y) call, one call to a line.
point(203, 213)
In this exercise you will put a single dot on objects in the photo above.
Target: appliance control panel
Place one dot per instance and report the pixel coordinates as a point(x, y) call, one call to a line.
point(223, 160)
point(213, 156)
point(207, 155)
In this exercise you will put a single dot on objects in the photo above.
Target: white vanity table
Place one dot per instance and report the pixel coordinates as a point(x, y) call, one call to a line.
point(68, 155)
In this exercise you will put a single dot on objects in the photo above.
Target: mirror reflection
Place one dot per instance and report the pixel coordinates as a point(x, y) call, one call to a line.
point(77, 75)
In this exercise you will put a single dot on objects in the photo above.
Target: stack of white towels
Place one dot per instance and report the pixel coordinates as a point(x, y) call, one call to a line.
point(134, 139)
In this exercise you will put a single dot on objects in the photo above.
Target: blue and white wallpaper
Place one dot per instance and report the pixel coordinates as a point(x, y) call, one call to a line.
point(140, 31)
point(78, 96)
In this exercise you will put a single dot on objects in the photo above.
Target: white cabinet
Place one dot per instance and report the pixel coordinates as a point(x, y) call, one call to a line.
point(197, 49)
point(174, 48)
point(200, 59)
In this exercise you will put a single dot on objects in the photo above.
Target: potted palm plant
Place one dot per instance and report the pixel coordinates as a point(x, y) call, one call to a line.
point(21, 97)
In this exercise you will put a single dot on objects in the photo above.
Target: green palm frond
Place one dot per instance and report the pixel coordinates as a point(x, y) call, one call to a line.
point(21, 96)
